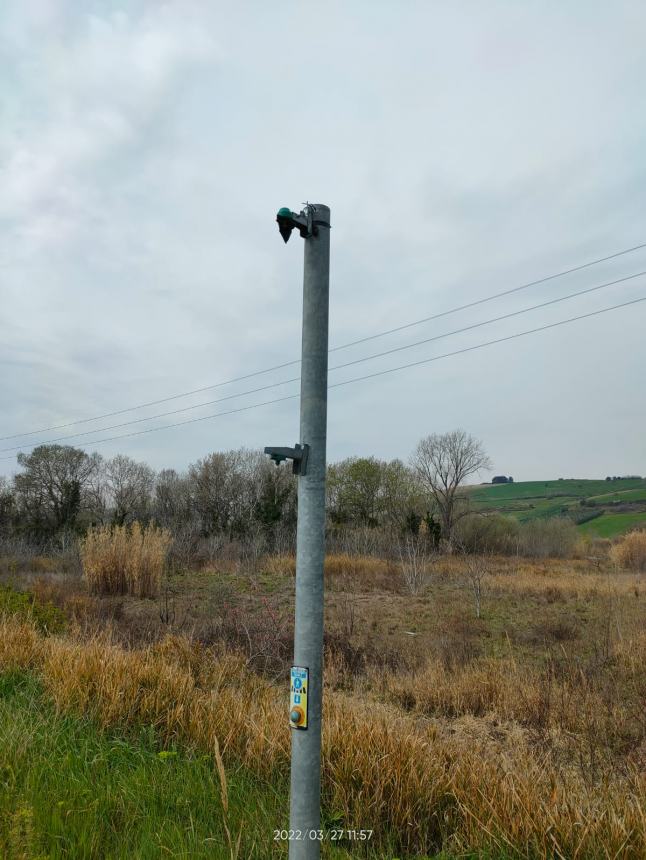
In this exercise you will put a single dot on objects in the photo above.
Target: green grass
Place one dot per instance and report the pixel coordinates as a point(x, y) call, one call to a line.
point(609, 525)
point(47, 617)
point(68, 790)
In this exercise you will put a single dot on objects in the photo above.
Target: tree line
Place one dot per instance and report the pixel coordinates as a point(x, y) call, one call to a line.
point(236, 495)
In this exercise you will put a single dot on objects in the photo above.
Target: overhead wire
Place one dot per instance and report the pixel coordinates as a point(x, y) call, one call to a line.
point(477, 302)
point(336, 367)
point(352, 343)
point(489, 343)
point(182, 423)
point(370, 375)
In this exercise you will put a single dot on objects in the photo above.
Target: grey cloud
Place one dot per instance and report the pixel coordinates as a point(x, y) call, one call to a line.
point(145, 148)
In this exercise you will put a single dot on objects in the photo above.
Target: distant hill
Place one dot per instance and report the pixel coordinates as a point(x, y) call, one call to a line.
point(598, 507)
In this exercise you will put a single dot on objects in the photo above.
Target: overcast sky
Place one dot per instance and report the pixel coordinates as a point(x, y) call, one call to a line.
point(463, 148)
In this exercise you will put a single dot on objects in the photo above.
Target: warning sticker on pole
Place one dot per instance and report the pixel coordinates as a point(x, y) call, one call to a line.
point(299, 685)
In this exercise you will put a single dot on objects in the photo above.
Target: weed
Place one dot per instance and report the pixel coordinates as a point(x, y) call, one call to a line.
point(22, 604)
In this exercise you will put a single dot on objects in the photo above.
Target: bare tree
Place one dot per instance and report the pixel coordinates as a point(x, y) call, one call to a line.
point(219, 492)
point(415, 561)
point(129, 486)
point(443, 462)
point(172, 501)
point(477, 569)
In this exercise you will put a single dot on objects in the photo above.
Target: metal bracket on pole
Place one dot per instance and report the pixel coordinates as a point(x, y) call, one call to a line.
point(298, 454)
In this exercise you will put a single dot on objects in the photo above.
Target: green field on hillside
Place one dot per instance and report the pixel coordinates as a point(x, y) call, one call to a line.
point(528, 500)
point(620, 496)
point(493, 495)
point(610, 525)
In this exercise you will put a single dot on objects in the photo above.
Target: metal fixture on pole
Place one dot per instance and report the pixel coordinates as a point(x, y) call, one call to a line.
point(309, 463)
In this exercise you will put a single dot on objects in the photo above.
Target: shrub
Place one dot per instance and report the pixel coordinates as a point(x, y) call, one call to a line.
point(630, 551)
point(125, 559)
point(586, 516)
point(553, 538)
point(488, 533)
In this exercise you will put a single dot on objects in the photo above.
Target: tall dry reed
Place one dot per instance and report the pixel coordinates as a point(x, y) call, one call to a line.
point(125, 559)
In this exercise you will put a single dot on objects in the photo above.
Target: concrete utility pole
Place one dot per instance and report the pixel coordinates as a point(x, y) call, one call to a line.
point(309, 462)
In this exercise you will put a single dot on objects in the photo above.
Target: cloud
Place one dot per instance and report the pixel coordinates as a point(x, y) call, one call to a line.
point(92, 94)
point(145, 147)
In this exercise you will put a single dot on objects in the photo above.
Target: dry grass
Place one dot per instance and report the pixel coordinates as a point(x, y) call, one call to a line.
point(531, 751)
point(362, 571)
point(28, 563)
point(630, 551)
point(561, 695)
point(53, 588)
point(431, 787)
point(281, 565)
point(557, 585)
point(21, 647)
point(553, 579)
point(125, 559)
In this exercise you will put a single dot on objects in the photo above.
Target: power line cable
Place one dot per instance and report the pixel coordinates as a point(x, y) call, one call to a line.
point(336, 367)
point(151, 417)
point(188, 421)
point(488, 343)
point(486, 322)
point(370, 375)
point(333, 349)
point(491, 298)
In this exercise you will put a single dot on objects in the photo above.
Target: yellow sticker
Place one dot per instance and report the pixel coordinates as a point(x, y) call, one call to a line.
point(300, 681)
